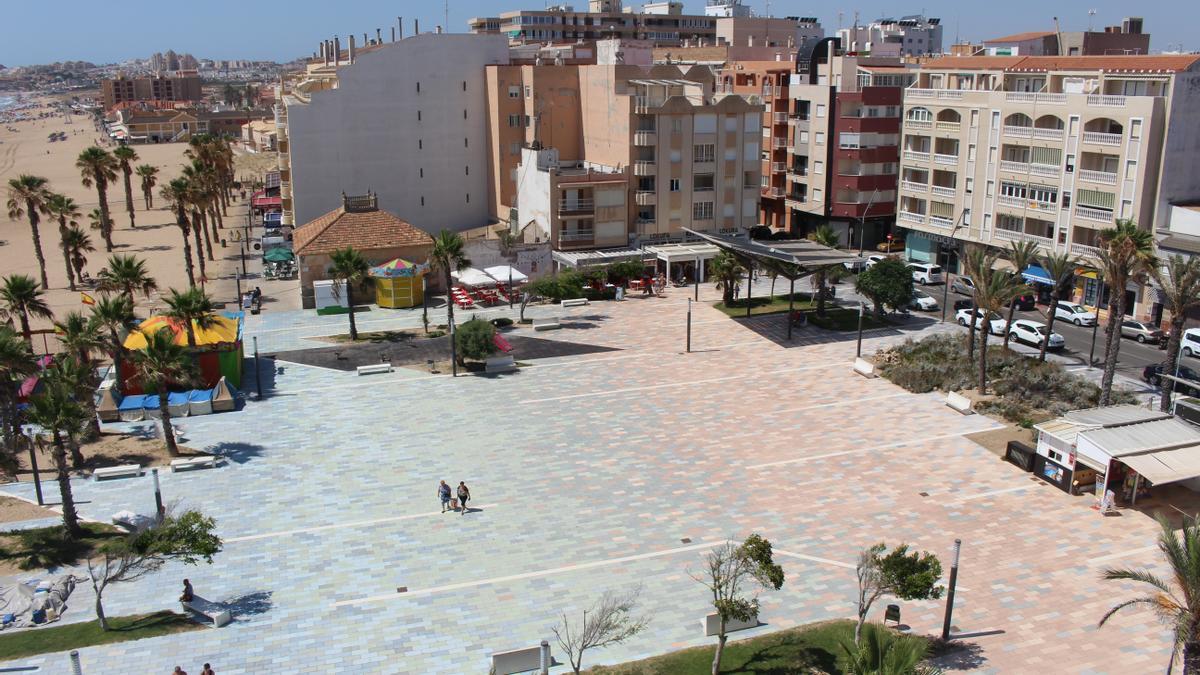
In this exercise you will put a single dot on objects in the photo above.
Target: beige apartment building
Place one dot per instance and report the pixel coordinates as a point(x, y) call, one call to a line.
point(1047, 149)
point(602, 156)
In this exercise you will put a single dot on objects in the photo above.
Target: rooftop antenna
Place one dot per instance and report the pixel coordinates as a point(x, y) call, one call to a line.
point(1091, 15)
point(840, 15)
point(446, 15)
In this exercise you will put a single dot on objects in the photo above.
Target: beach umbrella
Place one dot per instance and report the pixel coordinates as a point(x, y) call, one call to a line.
point(278, 255)
point(398, 267)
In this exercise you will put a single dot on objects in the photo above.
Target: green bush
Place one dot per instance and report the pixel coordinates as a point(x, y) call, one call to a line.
point(474, 339)
point(561, 286)
point(888, 283)
point(502, 322)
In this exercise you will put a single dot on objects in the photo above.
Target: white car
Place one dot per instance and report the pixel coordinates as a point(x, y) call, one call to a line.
point(923, 301)
point(1075, 313)
point(995, 323)
point(1034, 333)
point(1189, 344)
point(873, 259)
point(926, 273)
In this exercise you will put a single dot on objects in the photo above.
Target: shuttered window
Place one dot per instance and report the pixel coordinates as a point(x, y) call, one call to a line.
point(1048, 156)
point(941, 209)
point(1095, 199)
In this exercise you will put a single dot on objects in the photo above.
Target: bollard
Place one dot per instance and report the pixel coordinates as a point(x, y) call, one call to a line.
point(158, 502)
point(545, 658)
point(76, 669)
point(950, 594)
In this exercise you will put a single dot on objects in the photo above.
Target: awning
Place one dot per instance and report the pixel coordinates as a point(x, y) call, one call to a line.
point(671, 253)
point(473, 277)
point(1166, 466)
point(1037, 274)
point(503, 273)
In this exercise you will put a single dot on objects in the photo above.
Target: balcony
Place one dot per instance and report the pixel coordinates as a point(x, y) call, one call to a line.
point(1018, 132)
point(1101, 177)
point(1014, 167)
point(1048, 134)
point(778, 167)
point(941, 221)
point(641, 105)
point(1106, 101)
point(644, 224)
point(645, 137)
point(1098, 138)
point(942, 191)
point(1023, 203)
point(644, 168)
point(1034, 97)
point(953, 127)
point(912, 186)
point(576, 206)
point(772, 192)
point(914, 218)
point(795, 200)
point(939, 158)
point(1045, 170)
point(944, 94)
point(1085, 251)
point(576, 237)
point(1012, 235)
point(916, 156)
point(645, 198)
point(1095, 215)
point(780, 117)
point(778, 143)
point(918, 124)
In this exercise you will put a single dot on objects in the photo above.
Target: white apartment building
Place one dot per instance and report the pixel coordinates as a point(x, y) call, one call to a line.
point(406, 120)
point(1047, 149)
point(907, 36)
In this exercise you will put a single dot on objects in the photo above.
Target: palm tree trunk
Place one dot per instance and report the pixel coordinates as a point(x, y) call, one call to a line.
point(1191, 658)
point(350, 304)
point(76, 453)
point(147, 198)
point(106, 220)
point(1168, 387)
point(1012, 310)
point(1112, 348)
point(181, 220)
point(1049, 325)
point(37, 240)
point(70, 515)
point(450, 321)
point(983, 340)
point(25, 331)
point(129, 196)
point(62, 237)
point(971, 329)
point(117, 356)
point(207, 240)
point(196, 227)
point(168, 430)
point(820, 293)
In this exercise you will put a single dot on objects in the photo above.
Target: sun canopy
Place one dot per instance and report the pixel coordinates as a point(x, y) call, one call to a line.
point(398, 267)
point(806, 256)
point(1038, 274)
point(473, 277)
point(503, 273)
point(226, 329)
point(1166, 466)
point(279, 255)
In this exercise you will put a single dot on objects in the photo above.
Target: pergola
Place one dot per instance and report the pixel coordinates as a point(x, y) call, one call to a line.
point(696, 252)
point(790, 259)
point(581, 259)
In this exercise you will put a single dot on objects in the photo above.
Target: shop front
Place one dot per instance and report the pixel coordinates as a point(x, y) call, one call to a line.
point(926, 247)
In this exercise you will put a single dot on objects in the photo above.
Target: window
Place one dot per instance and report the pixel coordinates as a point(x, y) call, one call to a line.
point(704, 153)
point(673, 185)
point(849, 140)
point(1135, 129)
point(970, 185)
point(514, 149)
point(676, 125)
point(514, 91)
point(528, 91)
point(514, 121)
point(702, 211)
point(803, 137)
point(817, 195)
point(702, 182)
point(920, 115)
point(820, 110)
point(1131, 170)
point(820, 138)
point(818, 166)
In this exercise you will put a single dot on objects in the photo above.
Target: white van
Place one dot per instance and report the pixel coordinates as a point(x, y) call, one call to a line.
point(926, 273)
point(1189, 345)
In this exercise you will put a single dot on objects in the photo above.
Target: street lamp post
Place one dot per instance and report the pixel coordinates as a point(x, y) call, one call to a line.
point(37, 484)
point(257, 372)
point(950, 591)
point(689, 326)
point(946, 272)
point(862, 223)
point(159, 511)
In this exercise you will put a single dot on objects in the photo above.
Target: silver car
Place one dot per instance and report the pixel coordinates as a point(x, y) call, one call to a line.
point(1141, 331)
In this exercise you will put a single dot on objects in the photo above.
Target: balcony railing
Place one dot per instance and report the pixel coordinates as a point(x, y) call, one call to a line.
point(1024, 203)
point(774, 192)
point(778, 143)
point(1099, 138)
point(912, 186)
point(1085, 250)
point(1034, 97)
point(647, 137)
point(576, 236)
point(949, 126)
point(918, 124)
point(941, 221)
point(1015, 167)
point(907, 217)
point(916, 156)
point(645, 223)
point(1013, 235)
point(1097, 215)
point(644, 168)
point(939, 158)
point(1018, 132)
point(1106, 101)
point(1048, 134)
point(778, 167)
point(576, 205)
point(942, 191)
point(794, 199)
point(1045, 170)
point(781, 118)
point(1102, 177)
point(645, 198)
point(945, 94)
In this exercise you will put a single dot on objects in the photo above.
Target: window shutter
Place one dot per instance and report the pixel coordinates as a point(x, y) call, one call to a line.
point(1095, 199)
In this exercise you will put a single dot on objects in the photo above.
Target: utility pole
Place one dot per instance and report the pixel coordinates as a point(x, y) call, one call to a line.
point(950, 591)
point(862, 223)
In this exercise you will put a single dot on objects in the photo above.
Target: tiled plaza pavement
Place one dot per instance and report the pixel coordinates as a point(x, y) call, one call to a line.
point(589, 472)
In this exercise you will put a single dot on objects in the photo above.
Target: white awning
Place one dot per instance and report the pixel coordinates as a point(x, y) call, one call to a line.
point(473, 277)
point(670, 253)
point(1166, 466)
point(503, 273)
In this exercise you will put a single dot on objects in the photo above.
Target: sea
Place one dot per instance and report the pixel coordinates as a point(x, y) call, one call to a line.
point(7, 101)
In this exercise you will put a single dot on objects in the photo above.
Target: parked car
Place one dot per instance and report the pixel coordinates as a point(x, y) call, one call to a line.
point(962, 304)
point(856, 265)
point(926, 273)
point(963, 286)
point(1026, 302)
point(1153, 374)
point(1075, 313)
point(995, 323)
point(1141, 331)
point(1189, 344)
point(873, 259)
point(923, 301)
point(1035, 333)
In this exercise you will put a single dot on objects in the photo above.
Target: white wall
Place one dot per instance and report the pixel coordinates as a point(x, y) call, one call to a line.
point(533, 193)
point(365, 135)
point(1184, 221)
point(1181, 149)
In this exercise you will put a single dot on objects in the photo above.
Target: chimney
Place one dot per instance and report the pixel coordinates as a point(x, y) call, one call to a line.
point(323, 50)
point(337, 50)
point(351, 59)
point(416, 26)
point(393, 33)
point(437, 29)
point(365, 40)
point(400, 27)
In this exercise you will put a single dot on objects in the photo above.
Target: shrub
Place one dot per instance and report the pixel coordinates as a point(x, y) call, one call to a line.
point(502, 322)
point(888, 283)
point(474, 339)
point(561, 286)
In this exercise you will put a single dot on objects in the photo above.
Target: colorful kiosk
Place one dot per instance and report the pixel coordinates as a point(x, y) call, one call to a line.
point(218, 351)
point(398, 283)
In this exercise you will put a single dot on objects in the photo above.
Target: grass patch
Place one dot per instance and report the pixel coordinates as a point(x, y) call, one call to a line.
point(46, 547)
point(772, 305)
point(806, 649)
point(389, 336)
point(844, 319)
point(77, 635)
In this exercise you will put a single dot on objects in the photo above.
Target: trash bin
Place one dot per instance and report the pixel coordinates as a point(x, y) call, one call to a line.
point(1020, 454)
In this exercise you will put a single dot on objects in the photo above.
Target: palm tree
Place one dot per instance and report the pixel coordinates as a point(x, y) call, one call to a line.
point(825, 236)
point(1021, 254)
point(126, 274)
point(350, 268)
point(126, 156)
point(993, 290)
point(76, 244)
point(113, 314)
point(974, 264)
point(1179, 280)
point(160, 363)
point(194, 309)
point(1177, 606)
point(98, 167)
point(448, 256)
point(63, 209)
point(149, 175)
point(16, 363)
point(1060, 267)
point(1126, 252)
point(727, 272)
point(176, 193)
point(20, 297)
point(57, 411)
point(27, 196)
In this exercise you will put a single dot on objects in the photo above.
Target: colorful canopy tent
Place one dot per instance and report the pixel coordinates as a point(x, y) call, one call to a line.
point(218, 351)
point(398, 283)
point(29, 386)
point(224, 396)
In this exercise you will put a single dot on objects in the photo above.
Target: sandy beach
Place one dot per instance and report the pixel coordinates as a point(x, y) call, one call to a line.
point(156, 238)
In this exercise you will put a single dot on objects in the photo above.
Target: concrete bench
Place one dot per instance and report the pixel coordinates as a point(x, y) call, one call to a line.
point(218, 615)
point(184, 463)
point(550, 323)
point(500, 364)
point(865, 368)
point(574, 302)
point(960, 403)
point(119, 471)
point(712, 625)
point(519, 660)
point(374, 369)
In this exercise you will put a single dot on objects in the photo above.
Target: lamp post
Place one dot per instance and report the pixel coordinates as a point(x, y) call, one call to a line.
point(950, 591)
point(862, 223)
point(946, 275)
point(689, 326)
point(699, 267)
point(257, 372)
point(861, 309)
point(159, 511)
point(37, 484)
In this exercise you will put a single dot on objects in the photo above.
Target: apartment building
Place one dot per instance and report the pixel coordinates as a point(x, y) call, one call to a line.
point(1126, 38)
point(1047, 149)
point(843, 160)
point(406, 120)
point(597, 156)
point(183, 86)
point(768, 82)
point(914, 35)
point(768, 31)
point(605, 19)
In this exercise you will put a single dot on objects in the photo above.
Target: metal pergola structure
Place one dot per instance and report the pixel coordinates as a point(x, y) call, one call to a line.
point(790, 259)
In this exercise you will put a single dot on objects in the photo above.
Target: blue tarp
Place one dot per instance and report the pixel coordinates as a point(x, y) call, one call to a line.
point(152, 401)
point(1037, 274)
point(133, 402)
point(177, 398)
point(199, 395)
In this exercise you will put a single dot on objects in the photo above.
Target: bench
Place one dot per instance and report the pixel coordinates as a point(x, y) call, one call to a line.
point(500, 364)
point(207, 462)
point(712, 624)
point(960, 403)
point(374, 369)
point(218, 615)
point(865, 368)
point(119, 471)
point(519, 660)
point(574, 302)
point(550, 323)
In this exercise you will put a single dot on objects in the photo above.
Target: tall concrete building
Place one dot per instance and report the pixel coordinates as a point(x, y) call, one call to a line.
point(914, 35)
point(768, 31)
point(768, 81)
point(1124, 39)
point(183, 86)
point(406, 120)
point(603, 20)
point(1050, 150)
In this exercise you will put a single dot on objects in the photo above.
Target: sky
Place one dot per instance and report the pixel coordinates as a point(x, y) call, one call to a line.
point(44, 31)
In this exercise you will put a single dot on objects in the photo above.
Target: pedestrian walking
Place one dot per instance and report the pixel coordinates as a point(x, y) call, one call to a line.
point(463, 495)
point(208, 670)
point(178, 671)
point(737, 290)
point(444, 495)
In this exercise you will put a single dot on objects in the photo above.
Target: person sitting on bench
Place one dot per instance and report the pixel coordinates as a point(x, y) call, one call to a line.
point(188, 594)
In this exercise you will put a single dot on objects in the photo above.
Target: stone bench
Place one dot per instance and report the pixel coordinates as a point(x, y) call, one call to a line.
point(500, 364)
point(374, 369)
point(120, 471)
point(574, 302)
point(218, 615)
point(519, 660)
point(549, 323)
point(712, 625)
point(184, 463)
point(959, 402)
point(865, 368)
